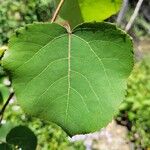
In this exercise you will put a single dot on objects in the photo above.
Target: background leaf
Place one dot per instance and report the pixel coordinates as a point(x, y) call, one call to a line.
point(4, 93)
point(5, 146)
point(1, 98)
point(22, 137)
point(71, 12)
point(4, 130)
point(70, 79)
point(79, 11)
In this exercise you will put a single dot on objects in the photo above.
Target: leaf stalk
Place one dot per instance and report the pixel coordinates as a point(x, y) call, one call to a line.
point(5, 105)
point(57, 11)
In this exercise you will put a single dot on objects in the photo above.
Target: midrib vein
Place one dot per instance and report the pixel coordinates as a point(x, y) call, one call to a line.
point(69, 70)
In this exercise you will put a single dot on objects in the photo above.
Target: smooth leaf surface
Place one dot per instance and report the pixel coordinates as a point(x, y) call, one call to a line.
point(75, 80)
point(79, 11)
point(22, 137)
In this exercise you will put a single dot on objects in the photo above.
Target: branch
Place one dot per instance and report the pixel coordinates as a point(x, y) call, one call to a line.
point(133, 17)
point(122, 11)
point(5, 105)
point(57, 11)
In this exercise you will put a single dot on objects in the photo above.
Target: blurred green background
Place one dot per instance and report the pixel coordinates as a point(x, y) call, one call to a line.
point(134, 112)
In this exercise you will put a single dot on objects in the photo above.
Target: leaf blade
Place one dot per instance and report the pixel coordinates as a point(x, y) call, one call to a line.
point(73, 76)
point(22, 137)
point(81, 11)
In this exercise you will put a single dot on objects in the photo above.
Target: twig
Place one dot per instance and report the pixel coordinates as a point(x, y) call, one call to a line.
point(5, 105)
point(122, 11)
point(133, 17)
point(57, 11)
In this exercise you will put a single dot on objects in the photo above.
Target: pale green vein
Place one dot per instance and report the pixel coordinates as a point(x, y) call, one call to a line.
point(99, 59)
point(45, 68)
point(51, 85)
point(89, 83)
point(81, 98)
point(41, 49)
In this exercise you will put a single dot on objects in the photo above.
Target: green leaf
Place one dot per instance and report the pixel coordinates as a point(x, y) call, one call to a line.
point(4, 130)
point(4, 93)
point(1, 98)
point(71, 12)
point(22, 137)
point(2, 50)
point(5, 146)
point(79, 11)
point(76, 80)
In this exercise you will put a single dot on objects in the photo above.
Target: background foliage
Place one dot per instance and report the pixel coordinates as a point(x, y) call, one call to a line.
point(49, 135)
point(16, 13)
point(135, 110)
point(141, 25)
